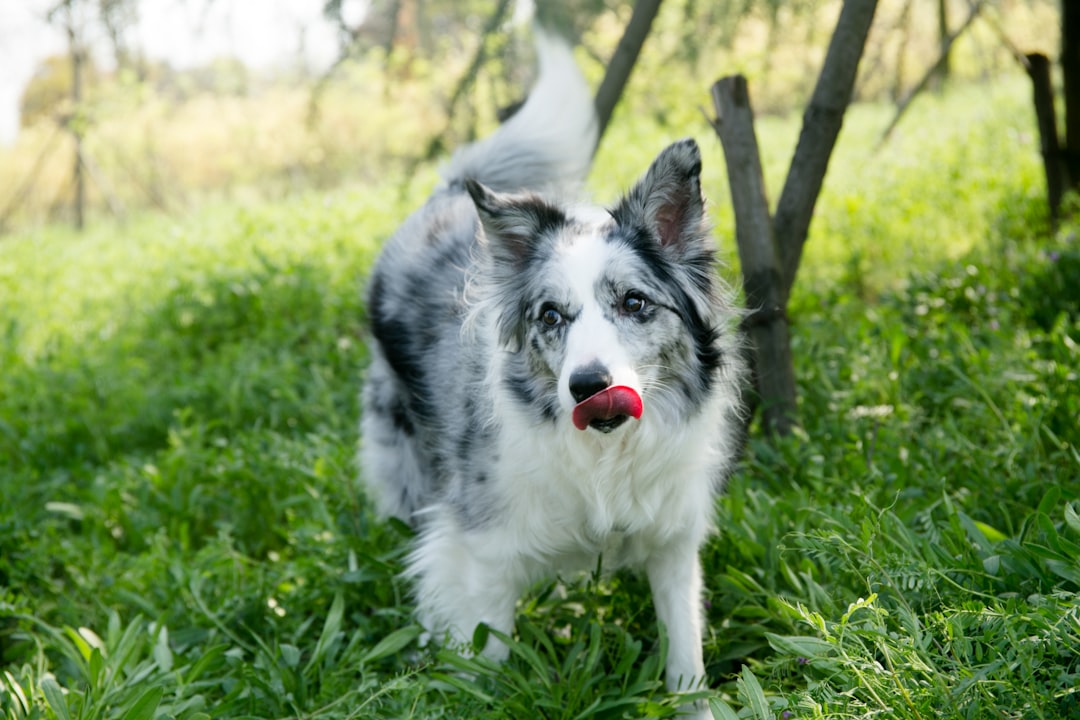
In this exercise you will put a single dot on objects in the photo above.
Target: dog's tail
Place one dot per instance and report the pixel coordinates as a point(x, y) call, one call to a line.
point(549, 142)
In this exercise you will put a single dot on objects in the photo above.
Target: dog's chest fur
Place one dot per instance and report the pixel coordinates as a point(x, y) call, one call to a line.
point(598, 498)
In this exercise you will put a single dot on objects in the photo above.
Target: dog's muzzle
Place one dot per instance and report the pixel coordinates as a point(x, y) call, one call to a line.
point(601, 405)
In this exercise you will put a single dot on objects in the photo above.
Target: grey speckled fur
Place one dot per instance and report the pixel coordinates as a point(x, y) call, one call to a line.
point(498, 312)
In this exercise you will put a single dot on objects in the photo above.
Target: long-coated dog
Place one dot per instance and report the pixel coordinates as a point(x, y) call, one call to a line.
point(552, 383)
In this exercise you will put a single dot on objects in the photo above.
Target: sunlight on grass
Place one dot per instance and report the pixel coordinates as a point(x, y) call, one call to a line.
point(182, 533)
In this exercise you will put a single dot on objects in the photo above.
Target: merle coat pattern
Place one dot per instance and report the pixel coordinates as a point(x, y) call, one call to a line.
point(497, 310)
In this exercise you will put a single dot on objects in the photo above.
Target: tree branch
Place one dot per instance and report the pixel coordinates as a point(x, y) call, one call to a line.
point(622, 62)
point(929, 75)
point(821, 126)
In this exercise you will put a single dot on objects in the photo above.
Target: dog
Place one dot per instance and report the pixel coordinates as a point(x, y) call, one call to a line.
point(552, 383)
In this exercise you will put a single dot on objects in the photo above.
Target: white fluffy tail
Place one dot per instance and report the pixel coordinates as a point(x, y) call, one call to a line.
point(548, 143)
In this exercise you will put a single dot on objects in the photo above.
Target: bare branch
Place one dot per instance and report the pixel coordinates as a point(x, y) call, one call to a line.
point(623, 60)
point(821, 126)
point(931, 72)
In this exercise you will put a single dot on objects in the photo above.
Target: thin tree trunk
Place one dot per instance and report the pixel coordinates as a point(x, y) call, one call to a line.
point(395, 26)
point(945, 42)
point(931, 72)
point(770, 251)
point(28, 181)
point(469, 78)
point(437, 143)
point(767, 324)
point(1070, 71)
point(76, 122)
point(1043, 92)
point(821, 126)
point(103, 185)
point(622, 62)
point(901, 51)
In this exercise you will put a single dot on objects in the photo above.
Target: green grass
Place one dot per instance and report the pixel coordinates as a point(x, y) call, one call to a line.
point(183, 534)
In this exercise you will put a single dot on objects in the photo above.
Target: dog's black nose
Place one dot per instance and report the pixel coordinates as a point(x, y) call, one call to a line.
point(589, 380)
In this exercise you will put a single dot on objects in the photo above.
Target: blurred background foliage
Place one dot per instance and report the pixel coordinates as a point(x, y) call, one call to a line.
point(404, 80)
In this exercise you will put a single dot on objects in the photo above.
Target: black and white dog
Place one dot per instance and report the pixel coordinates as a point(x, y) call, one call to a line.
point(551, 382)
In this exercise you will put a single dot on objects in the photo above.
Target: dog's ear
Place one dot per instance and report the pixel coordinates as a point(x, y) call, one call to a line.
point(515, 228)
point(667, 201)
point(513, 224)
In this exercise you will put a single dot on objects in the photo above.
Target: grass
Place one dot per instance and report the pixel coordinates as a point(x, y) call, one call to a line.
point(183, 535)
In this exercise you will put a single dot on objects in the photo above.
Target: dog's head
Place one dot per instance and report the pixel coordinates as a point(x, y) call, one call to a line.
point(608, 315)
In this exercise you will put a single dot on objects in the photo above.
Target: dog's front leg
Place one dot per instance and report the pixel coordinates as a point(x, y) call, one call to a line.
point(459, 587)
point(675, 577)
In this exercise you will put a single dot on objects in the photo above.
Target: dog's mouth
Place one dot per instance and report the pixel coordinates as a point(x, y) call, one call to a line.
point(608, 409)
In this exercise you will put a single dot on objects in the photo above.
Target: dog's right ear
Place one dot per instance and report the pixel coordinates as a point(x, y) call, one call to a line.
point(667, 202)
point(513, 224)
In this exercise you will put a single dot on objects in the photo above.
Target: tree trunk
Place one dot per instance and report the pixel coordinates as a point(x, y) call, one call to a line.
point(76, 122)
point(821, 126)
point(1043, 91)
point(766, 325)
point(944, 44)
point(622, 62)
point(770, 251)
point(1070, 70)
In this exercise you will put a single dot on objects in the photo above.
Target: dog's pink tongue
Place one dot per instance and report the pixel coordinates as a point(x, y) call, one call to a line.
point(606, 404)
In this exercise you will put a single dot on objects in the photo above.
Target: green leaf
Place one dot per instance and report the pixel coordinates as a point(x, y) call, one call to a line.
point(974, 532)
point(595, 643)
point(1065, 570)
point(392, 643)
point(12, 685)
point(800, 645)
point(464, 686)
point(630, 651)
point(80, 643)
point(528, 654)
point(992, 534)
point(55, 697)
point(480, 637)
point(130, 648)
point(144, 707)
point(163, 655)
point(752, 695)
point(1050, 500)
point(290, 654)
point(209, 657)
point(1072, 518)
point(330, 631)
point(721, 710)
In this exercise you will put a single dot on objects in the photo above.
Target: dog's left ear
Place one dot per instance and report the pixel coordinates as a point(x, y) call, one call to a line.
point(668, 201)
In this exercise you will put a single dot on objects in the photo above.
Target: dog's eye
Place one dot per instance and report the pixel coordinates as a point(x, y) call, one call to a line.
point(633, 303)
point(550, 316)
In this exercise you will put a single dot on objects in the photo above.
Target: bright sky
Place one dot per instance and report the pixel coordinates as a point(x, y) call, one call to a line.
point(261, 33)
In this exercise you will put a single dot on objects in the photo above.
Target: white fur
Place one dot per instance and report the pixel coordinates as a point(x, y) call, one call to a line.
point(559, 106)
point(646, 502)
point(591, 338)
point(639, 497)
point(503, 488)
